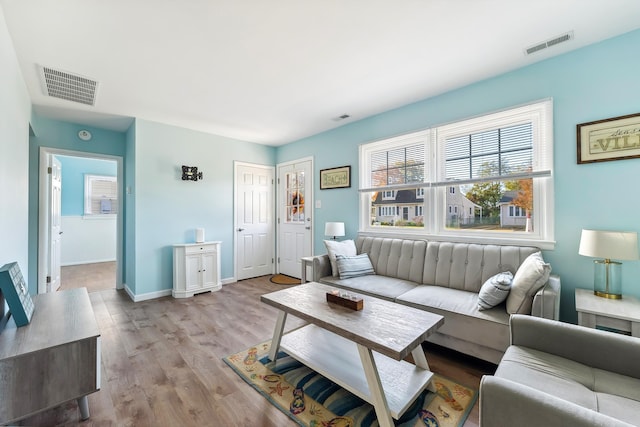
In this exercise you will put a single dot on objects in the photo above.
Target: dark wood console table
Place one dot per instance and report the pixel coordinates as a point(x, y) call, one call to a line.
point(53, 359)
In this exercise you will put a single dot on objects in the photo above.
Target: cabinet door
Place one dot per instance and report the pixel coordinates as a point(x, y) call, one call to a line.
point(209, 266)
point(192, 267)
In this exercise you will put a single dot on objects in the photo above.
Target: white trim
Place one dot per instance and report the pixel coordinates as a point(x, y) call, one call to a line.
point(148, 295)
point(229, 280)
point(163, 293)
point(43, 251)
point(88, 181)
point(539, 113)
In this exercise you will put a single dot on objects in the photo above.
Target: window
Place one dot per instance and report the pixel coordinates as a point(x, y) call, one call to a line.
point(501, 164)
point(100, 195)
point(388, 195)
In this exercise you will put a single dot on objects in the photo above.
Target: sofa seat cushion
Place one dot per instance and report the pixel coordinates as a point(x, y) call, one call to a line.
point(463, 319)
point(615, 395)
point(375, 285)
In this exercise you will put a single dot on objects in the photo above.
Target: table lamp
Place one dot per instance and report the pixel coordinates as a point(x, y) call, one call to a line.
point(620, 245)
point(335, 229)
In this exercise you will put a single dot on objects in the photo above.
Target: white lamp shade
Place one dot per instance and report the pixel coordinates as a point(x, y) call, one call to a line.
point(335, 229)
point(621, 245)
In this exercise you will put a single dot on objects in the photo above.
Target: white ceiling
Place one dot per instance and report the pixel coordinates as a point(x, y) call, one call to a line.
point(273, 71)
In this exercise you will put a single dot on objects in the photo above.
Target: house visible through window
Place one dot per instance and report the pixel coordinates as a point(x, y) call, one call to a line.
point(497, 168)
point(100, 195)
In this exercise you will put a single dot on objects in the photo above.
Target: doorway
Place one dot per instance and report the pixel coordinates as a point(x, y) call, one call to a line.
point(295, 208)
point(254, 224)
point(80, 224)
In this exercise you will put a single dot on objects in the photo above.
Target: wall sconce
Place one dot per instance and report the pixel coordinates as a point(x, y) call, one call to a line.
point(190, 173)
point(621, 245)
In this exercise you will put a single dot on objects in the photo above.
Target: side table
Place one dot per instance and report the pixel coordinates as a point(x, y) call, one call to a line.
point(622, 314)
point(305, 261)
point(53, 359)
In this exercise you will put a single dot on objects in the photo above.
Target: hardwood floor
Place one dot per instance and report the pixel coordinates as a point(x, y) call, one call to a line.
point(95, 277)
point(162, 361)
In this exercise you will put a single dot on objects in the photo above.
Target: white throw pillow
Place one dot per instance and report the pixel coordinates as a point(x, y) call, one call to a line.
point(532, 274)
point(334, 247)
point(354, 266)
point(494, 290)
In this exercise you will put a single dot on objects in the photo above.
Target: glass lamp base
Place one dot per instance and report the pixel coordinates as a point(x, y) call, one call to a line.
point(606, 280)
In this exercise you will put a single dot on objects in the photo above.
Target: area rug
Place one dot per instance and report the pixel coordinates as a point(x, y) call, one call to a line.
point(314, 401)
point(282, 279)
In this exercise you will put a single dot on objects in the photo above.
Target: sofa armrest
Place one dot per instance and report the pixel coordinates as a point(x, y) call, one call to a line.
point(321, 267)
point(598, 349)
point(506, 403)
point(546, 302)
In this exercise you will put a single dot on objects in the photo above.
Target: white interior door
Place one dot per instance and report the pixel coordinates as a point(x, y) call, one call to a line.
point(55, 232)
point(254, 221)
point(295, 202)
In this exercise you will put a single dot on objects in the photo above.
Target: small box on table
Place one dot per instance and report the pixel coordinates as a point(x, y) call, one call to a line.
point(354, 302)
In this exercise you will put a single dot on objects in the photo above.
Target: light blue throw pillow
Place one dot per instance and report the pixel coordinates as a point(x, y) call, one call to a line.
point(495, 290)
point(354, 266)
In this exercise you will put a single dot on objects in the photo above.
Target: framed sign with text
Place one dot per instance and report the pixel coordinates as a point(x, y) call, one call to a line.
point(335, 178)
point(609, 139)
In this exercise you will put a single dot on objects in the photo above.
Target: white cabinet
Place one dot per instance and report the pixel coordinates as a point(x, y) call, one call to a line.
point(196, 268)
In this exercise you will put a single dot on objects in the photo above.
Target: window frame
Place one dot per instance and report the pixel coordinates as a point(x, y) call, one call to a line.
point(539, 113)
point(88, 193)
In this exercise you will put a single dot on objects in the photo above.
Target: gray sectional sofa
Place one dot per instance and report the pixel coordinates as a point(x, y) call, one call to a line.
point(445, 278)
point(557, 374)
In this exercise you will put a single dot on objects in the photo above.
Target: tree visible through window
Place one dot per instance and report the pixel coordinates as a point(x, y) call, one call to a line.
point(465, 177)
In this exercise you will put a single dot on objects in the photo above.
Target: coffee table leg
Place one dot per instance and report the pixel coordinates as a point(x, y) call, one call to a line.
point(375, 387)
point(277, 335)
point(420, 360)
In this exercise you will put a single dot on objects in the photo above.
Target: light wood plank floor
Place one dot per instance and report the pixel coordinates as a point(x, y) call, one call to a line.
point(162, 361)
point(95, 277)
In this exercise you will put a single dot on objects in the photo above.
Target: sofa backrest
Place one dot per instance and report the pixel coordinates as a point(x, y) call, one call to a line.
point(399, 258)
point(464, 266)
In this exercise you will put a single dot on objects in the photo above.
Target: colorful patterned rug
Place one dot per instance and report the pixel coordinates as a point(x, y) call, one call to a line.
point(314, 401)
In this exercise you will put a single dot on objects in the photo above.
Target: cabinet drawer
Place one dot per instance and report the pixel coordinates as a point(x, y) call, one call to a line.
point(197, 249)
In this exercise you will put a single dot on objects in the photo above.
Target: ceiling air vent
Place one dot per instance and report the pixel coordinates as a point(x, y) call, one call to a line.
point(71, 87)
point(552, 42)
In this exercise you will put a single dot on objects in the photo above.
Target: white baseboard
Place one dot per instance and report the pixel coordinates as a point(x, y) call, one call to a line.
point(148, 295)
point(228, 280)
point(164, 292)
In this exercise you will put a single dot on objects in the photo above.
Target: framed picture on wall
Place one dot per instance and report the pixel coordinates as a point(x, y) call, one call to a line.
point(609, 139)
point(339, 177)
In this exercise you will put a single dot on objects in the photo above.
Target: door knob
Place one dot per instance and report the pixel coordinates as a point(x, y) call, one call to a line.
point(240, 229)
point(307, 228)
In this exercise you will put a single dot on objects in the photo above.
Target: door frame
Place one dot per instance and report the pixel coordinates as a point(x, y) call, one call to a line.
point(43, 221)
point(274, 238)
point(309, 203)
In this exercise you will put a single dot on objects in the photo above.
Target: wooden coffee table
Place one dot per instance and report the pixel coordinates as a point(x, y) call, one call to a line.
point(362, 351)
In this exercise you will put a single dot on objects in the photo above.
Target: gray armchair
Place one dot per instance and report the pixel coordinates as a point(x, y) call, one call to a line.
point(559, 374)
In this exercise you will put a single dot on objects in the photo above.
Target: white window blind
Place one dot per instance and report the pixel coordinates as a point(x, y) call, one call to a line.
point(498, 146)
point(101, 195)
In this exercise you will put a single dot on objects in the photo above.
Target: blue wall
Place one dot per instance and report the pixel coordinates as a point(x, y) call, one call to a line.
point(167, 209)
point(596, 82)
point(63, 136)
point(73, 172)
